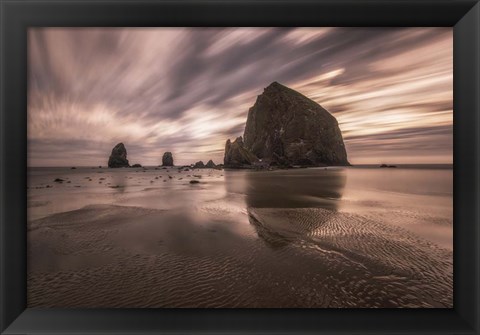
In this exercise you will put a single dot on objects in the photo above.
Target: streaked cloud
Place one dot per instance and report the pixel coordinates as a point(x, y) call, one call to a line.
point(187, 90)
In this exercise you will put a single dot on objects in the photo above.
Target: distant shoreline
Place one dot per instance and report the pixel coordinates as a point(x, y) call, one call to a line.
point(402, 166)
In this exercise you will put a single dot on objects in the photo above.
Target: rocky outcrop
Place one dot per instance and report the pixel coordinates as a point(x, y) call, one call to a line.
point(210, 165)
point(118, 157)
point(199, 165)
point(167, 159)
point(237, 156)
point(286, 128)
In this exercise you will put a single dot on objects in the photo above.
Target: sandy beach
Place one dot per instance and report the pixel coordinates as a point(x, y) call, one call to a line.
point(336, 237)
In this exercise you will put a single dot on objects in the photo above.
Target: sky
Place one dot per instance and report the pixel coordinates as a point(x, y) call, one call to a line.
point(188, 90)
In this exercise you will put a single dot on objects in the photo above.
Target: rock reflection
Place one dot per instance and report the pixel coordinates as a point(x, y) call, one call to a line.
point(268, 192)
point(295, 188)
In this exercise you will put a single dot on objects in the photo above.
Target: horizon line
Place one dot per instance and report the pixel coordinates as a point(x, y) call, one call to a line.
point(106, 166)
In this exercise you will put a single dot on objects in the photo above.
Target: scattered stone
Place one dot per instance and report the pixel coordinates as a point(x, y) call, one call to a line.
point(58, 180)
point(194, 182)
point(136, 165)
point(73, 168)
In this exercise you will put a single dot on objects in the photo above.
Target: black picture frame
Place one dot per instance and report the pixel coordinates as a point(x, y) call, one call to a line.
point(16, 16)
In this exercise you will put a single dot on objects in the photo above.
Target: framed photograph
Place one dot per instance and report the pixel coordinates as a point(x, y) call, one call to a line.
point(240, 167)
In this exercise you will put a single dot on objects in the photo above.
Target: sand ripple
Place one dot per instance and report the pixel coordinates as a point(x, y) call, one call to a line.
point(114, 256)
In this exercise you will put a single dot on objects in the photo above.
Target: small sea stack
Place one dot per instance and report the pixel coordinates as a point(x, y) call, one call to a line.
point(199, 165)
point(237, 156)
point(167, 159)
point(118, 157)
point(210, 165)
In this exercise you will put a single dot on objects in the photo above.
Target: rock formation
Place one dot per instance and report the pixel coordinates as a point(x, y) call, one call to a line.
point(118, 158)
point(199, 165)
point(237, 156)
point(167, 159)
point(286, 128)
point(210, 164)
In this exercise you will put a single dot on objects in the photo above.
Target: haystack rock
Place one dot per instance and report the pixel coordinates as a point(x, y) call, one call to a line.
point(118, 158)
point(236, 156)
point(286, 128)
point(167, 159)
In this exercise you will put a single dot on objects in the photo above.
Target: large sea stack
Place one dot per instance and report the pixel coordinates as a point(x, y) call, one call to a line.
point(167, 159)
point(286, 128)
point(118, 158)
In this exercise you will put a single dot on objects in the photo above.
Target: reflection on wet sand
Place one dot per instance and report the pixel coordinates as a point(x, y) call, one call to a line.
point(297, 190)
point(286, 238)
point(287, 188)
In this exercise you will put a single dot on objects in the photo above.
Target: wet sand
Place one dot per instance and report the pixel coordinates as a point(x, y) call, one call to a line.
point(295, 238)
